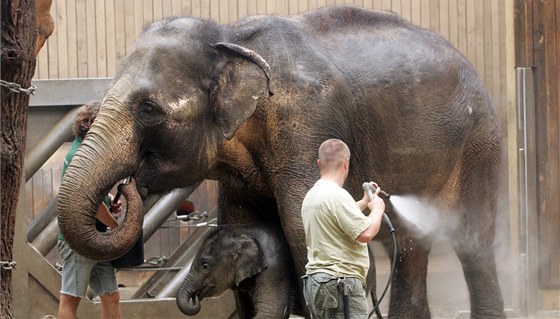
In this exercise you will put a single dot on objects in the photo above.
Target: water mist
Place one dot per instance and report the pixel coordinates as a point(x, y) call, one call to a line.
point(424, 218)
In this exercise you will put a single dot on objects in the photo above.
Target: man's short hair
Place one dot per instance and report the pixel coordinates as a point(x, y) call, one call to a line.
point(332, 154)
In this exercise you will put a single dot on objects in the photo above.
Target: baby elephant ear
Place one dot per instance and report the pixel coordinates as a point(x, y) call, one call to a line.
point(250, 260)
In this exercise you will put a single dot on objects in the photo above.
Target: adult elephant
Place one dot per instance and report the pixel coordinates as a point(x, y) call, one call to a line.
point(249, 103)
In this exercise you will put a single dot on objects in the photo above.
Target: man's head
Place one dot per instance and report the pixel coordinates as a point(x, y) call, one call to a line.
point(334, 155)
point(84, 119)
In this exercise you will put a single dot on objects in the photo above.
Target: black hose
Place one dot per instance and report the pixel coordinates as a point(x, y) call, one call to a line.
point(117, 197)
point(118, 194)
point(368, 188)
point(346, 302)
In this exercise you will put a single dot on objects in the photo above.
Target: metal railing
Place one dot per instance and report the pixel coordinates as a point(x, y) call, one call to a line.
point(527, 189)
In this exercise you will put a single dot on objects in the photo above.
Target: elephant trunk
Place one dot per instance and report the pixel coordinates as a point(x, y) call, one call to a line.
point(185, 295)
point(95, 168)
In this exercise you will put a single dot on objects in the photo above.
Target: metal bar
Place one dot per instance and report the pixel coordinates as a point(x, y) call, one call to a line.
point(527, 202)
point(159, 213)
point(151, 269)
point(43, 150)
point(79, 91)
point(42, 220)
point(522, 175)
point(48, 238)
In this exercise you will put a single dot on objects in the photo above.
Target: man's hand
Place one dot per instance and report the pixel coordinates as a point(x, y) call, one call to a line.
point(376, 202)
point(115, 207)
point(377, 207)
point(374, 185)
point(366, 200)
point(114, 212)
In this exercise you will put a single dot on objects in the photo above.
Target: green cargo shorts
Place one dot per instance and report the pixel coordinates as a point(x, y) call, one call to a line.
point(324, 298)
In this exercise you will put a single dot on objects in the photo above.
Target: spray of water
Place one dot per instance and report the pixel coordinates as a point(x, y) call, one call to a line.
point(423, 217)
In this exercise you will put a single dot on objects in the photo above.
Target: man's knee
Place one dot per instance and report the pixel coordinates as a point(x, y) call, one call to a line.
point(112, 297)
point(68, 306)
point(69, 299)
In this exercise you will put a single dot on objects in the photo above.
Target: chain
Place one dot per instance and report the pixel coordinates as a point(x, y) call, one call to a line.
point(16, 88)
point(8, 265)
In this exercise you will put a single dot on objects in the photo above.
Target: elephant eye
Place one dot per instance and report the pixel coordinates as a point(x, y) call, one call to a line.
point(148, 106)
point(150, 112)
point(204, 266)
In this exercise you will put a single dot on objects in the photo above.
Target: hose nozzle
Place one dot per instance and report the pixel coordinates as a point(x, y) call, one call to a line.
point(369, 189)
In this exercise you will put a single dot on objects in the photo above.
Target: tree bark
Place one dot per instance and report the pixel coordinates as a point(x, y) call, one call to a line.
point(18, 66)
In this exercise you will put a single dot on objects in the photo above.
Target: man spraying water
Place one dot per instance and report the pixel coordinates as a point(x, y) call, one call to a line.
point(337, 233)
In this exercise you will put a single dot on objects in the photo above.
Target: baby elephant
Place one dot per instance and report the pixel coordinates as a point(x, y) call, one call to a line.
point(254, 261)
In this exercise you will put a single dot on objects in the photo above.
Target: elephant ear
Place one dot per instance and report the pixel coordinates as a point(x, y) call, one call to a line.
point(241, 82)
point(249, 260)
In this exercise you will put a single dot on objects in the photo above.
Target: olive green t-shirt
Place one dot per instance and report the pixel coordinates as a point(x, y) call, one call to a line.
point(332, 221)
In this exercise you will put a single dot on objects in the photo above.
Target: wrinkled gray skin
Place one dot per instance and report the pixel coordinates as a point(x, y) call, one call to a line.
point(254, 261)
point(192, 101)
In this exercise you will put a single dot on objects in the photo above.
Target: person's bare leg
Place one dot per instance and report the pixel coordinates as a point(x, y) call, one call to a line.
point(110, 308)
point(68, 307)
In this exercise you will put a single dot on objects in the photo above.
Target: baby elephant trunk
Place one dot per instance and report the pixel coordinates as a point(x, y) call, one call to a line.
point(184, 297)
point(186, 307)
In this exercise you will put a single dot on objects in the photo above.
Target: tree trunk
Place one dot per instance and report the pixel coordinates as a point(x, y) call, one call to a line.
point(18, 66)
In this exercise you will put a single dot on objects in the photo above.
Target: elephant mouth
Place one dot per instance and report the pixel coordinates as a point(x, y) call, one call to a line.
point(204, 292)
point(141, 188)
point(147, 187)
point(143, 191)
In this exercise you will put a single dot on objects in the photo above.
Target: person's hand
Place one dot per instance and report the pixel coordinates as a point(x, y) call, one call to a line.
point(115, 207)
point(374, 186)
point(376, 204)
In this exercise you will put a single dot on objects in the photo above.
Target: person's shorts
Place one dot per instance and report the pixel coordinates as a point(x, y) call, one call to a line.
point(324, 297)
point(79, 271)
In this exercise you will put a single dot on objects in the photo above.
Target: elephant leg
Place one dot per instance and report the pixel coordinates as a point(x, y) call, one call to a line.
point(474, 245)
point(409, 298)
point(243, 304)
point(479, 268)
point(474, 240)
point(290, 218)
point(272, 296)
